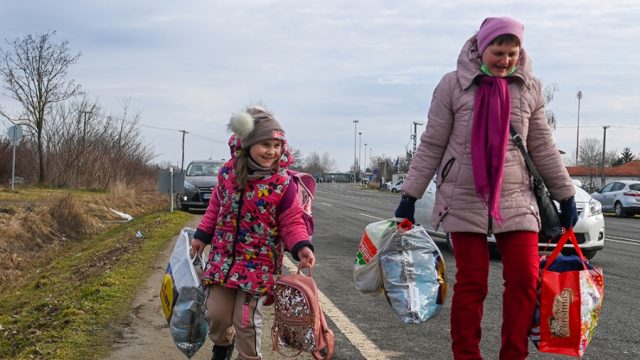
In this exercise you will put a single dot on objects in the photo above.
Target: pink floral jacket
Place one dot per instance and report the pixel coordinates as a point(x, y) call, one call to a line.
point(246, 229)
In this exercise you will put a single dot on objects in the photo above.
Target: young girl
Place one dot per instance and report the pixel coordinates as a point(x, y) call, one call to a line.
point(248, 233)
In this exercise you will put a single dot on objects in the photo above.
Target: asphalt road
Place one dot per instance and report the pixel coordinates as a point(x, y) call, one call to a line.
point(367, 328)
point(341, 213)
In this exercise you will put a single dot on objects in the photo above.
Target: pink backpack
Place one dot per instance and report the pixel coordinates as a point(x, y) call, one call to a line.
point(302, 187)
point(299, 323)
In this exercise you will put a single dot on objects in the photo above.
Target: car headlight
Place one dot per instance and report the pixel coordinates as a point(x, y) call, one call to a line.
point(189, 186)
point(595, 208)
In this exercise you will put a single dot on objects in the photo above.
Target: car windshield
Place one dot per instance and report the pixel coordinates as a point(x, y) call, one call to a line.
point(203, 169)
point(635, 187)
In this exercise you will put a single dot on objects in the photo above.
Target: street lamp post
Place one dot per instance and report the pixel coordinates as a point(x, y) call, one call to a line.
point(359, 151)
point(579, 95)
point(355, 159)
point(604, 147)
point(365, 157)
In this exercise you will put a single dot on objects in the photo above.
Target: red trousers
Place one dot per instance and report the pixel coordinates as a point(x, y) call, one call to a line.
point(520, 261)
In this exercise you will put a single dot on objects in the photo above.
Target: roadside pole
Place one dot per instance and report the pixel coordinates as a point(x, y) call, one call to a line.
point(15, 134)
point(171, 190)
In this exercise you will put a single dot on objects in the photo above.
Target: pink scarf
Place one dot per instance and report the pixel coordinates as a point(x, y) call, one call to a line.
point(491, 113)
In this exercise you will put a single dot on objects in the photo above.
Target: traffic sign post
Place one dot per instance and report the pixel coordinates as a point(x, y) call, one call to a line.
point(15, 134)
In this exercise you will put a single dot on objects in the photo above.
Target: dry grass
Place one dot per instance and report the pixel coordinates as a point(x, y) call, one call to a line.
point(36, 221)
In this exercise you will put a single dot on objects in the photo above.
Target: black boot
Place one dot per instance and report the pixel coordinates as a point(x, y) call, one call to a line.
point(223, 352)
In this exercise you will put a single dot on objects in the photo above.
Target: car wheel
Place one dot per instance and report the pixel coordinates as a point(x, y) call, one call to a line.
point(394, 190)
point(619, 210)
point(180, 205)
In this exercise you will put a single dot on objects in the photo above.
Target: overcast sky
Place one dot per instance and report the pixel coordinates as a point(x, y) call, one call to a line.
point(321, 65)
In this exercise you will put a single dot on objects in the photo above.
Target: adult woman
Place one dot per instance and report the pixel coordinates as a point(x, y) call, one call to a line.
point(482, 181)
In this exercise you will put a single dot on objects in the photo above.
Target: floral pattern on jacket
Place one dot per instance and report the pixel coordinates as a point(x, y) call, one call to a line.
point(246, 230)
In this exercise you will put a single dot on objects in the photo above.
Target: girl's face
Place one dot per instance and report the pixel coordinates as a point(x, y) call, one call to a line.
point(266, 153)
point(500, 59)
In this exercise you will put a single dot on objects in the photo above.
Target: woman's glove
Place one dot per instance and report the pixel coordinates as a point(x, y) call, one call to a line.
point(568, 213)
point(407, 208)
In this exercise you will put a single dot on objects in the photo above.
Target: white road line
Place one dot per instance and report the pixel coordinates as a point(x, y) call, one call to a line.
point(621, 238)
point(368, 349)
point(371, 216)
point(623, 242)
point(324, 203)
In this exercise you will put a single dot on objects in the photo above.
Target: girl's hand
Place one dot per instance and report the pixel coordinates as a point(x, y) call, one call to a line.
point(198, 246)
point(307, 258)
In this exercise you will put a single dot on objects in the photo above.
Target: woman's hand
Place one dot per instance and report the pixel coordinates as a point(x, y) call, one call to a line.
point(198, 246)
point(307, 258)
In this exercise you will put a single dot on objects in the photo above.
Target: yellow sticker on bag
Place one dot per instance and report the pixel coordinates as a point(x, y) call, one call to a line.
point(168, 294)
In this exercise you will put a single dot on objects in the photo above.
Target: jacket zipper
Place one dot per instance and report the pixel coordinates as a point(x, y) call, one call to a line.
point(235, 240)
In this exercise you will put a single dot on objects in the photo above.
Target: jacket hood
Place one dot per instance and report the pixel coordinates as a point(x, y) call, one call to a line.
point(470, 60)
point(235, 147)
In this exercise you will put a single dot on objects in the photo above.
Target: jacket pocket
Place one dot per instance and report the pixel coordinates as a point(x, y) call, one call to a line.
point(445, 171)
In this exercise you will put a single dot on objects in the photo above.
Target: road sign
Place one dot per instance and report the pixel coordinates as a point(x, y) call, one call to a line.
point(15, 134)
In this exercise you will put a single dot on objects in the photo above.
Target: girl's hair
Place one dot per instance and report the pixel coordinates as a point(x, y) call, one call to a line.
point(505, 39)
point(242, 167)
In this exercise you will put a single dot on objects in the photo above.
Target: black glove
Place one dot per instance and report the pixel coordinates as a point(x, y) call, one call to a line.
point(568, 213)
point(407, 208)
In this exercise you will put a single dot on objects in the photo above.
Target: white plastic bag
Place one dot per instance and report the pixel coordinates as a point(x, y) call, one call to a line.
point(183, 298)
point(366, 270)
point(413, 274)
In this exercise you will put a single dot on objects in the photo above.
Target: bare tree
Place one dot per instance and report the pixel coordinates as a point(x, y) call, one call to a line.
point(35, 71)
point(318, 165)
point(591, 158)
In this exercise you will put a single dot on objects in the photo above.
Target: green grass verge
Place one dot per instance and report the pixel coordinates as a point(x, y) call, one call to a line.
point(68, 308)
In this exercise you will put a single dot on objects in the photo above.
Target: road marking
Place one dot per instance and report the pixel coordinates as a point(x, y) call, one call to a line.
point(324, 203)
point(623, 242)
point(371, 216)
point(620, 238)
point(368, 349)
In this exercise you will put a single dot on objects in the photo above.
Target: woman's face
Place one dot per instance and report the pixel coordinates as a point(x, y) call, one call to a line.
point(500, 59)
point(266, 153)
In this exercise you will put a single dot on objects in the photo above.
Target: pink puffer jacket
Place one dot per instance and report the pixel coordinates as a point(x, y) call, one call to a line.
point(446, 142)
point(247, 230)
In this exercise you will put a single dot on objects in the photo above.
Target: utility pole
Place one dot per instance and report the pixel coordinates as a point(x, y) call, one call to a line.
point(355, 159)
point(604, 147)
point(579, 95)
point(415, 137)
point(183, 133)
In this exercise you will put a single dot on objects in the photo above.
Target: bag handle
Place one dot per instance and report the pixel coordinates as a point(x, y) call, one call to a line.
point(568, 235)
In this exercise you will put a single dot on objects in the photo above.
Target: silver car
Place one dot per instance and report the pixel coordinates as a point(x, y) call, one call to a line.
point(589, 229)
point(622, 197)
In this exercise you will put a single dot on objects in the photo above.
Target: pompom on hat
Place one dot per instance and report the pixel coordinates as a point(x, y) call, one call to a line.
point(492, 27)
point(255, 124)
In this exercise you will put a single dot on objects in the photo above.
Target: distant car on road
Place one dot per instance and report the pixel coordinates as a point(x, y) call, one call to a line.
point(397, 187)
point(200, 178)
point(622, 197)
point(589, 229)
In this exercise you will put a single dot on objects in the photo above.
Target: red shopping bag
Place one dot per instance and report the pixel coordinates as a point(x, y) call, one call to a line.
point(569, 300)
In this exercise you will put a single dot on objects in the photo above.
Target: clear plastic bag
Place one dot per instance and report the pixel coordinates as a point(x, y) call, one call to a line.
point(413, 274)
point(183, 297)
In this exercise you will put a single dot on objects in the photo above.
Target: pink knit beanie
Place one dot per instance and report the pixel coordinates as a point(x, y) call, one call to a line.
point(492, 27)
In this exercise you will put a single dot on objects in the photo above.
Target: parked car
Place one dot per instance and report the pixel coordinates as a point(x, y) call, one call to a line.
point(622, 197)
point(589, 229)
point(199, 180)
point(397, 187)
